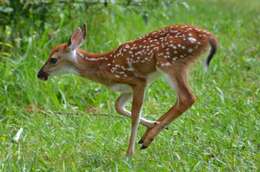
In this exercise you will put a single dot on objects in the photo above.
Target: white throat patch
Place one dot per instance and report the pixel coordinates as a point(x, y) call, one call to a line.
point(74, 56)
point(67, 69)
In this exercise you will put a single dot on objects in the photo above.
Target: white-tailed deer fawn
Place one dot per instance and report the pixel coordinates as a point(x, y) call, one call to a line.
point(131, 67)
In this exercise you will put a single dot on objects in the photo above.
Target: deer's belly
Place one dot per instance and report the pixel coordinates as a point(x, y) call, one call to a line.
point(122, 88)
point(153, 76)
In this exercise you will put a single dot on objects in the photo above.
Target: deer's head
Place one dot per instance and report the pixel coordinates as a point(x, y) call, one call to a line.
point(63, 56)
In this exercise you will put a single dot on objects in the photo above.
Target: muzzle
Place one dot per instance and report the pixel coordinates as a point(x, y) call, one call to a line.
point(42, 75)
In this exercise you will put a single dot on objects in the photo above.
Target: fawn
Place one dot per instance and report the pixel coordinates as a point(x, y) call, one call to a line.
point(131, 67)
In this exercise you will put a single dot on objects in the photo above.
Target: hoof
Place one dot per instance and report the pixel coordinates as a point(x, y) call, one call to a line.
point(143, 147)
point(140, 141)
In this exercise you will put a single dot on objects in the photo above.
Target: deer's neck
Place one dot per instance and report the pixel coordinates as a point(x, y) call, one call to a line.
point(91, 60)
point(90, 65)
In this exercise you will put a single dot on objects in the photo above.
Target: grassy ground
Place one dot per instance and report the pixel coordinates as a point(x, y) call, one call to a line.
point(70, 123)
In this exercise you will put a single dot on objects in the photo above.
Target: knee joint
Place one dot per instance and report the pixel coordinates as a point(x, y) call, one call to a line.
point(188, 101)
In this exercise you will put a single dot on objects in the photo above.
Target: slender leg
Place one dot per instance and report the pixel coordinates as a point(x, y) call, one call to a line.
point(184, 101)
point(120, 103)
point(138, 96)
point(172, 82)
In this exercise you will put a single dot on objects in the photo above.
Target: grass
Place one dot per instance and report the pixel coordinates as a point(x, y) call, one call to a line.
point(70, 123)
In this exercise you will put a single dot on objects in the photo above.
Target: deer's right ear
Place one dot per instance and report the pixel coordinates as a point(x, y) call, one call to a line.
point(77, 37)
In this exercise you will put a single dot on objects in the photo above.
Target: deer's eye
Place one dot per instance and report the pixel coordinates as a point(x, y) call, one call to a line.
point(53, 60)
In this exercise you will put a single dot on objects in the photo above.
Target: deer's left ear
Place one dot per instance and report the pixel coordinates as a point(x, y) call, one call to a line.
point(77, 38)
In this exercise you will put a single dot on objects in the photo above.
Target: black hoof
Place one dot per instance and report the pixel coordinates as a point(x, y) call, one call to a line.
point(143, 147)
point(140, 141)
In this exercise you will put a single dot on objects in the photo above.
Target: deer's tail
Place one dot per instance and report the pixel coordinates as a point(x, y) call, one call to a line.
point(213, 48)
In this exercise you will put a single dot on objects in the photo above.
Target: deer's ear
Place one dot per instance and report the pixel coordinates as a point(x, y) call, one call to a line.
point(77, 37)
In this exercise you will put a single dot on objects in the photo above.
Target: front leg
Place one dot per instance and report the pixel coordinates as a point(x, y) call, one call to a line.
point(138, 97)
point(120, 108)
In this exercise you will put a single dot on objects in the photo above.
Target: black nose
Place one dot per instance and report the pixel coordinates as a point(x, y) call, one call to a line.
point(42, 75)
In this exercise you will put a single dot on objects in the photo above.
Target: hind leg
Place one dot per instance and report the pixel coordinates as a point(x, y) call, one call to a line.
point(185, 99)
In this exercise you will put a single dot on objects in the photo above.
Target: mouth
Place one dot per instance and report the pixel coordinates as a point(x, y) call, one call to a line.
point(42, 75)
